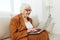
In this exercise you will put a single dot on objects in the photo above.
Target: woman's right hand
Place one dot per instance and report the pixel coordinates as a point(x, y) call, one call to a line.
point(33, 29)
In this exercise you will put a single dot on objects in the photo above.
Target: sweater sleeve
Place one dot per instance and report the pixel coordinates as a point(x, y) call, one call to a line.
point(16, 30)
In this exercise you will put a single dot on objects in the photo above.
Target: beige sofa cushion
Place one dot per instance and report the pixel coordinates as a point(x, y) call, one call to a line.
point(35, 21)
point(4, 26)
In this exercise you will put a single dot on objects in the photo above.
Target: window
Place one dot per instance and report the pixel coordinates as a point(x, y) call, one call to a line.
point(5, 6)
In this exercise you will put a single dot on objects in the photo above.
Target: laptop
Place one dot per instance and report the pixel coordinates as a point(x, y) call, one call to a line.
point(45, 26)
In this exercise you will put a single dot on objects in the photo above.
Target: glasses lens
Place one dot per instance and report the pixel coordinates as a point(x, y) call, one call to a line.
point(28, 9)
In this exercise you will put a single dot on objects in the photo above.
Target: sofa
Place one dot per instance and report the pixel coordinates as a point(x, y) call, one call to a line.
point(5, 21)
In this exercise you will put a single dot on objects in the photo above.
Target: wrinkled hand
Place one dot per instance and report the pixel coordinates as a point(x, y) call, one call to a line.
point(33, 29)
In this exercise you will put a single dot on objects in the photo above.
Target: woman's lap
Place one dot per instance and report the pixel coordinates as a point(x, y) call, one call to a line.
point(42, 36)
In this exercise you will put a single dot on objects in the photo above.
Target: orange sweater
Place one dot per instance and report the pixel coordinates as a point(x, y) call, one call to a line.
point(18, 30)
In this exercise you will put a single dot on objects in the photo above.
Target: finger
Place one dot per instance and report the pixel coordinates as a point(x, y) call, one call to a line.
point(34, 30)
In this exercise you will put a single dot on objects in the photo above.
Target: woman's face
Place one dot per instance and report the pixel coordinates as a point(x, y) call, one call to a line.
point(27, 11)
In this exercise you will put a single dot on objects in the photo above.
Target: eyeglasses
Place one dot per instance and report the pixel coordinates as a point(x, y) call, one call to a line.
point(28, 9)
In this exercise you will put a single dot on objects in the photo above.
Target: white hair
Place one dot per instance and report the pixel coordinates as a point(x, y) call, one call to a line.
point(23, 6)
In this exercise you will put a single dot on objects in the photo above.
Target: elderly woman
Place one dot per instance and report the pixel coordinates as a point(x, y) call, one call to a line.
point(21, 25)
